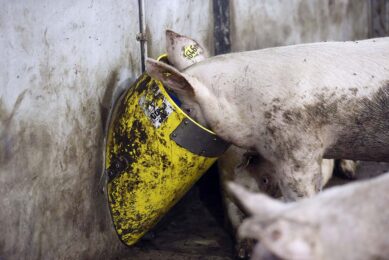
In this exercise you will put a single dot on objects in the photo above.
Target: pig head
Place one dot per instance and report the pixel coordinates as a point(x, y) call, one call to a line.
point(346, 222)
point(294, 105)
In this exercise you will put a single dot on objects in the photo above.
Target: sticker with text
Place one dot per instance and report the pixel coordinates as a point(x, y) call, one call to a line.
point(156, 107)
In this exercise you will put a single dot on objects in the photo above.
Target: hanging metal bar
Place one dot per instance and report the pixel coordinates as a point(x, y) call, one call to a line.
point(141, 36)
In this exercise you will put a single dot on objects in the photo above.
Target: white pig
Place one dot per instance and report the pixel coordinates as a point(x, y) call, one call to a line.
point(344, 222)
point(256, 174)
point(239, 165)
point(293, 105)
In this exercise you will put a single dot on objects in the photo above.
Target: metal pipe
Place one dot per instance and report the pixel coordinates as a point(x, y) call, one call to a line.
point(141, 36)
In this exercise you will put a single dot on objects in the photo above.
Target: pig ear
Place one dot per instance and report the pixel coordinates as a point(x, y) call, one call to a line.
point(169, 76)
point(257, 204)
point(183, 51)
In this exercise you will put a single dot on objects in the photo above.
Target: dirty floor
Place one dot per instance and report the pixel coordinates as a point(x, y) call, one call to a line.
point(194, 229)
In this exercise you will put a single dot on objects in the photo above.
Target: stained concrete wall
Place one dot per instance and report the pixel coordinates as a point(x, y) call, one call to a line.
point(59, 64)
point(59, 61)
point(268, 23)
point(188, 17)
point(379, 18)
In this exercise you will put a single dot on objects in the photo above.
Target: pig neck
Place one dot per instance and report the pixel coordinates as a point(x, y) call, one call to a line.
point(324, 92)
point(236, 100)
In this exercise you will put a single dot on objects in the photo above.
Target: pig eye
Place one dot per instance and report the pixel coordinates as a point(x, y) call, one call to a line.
point(187, 110)
point(246, 162)
point(252, 159)
point(249, 159)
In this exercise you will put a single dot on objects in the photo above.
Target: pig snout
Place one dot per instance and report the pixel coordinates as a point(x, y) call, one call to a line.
point(297, 186)
point(295, 190)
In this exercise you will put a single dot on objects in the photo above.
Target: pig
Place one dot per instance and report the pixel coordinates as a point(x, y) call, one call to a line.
point(293, 105)
point(256, 174)
point(343, 222)
point(239, 165)
point(347, 168)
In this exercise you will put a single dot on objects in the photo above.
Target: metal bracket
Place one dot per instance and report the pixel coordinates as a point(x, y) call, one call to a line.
point(197, 140)
point(141, 37)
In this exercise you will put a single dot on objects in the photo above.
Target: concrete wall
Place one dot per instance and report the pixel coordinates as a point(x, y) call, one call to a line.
point(379, 20)
point(267, 23)
point(59, 64)
point(188, 17)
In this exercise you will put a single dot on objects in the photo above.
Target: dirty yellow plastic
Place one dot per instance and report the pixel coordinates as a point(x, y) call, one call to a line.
point(152, 172)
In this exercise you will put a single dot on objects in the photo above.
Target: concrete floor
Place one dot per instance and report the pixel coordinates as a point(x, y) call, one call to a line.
point(194, 229)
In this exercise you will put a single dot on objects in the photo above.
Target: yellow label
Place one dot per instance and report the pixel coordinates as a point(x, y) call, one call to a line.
point(191, 51)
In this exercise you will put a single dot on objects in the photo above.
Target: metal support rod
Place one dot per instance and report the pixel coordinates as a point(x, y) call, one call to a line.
point(141, 36)
point(221, 17)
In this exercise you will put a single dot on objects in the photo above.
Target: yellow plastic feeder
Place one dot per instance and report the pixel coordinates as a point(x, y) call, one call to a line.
point(154, 154)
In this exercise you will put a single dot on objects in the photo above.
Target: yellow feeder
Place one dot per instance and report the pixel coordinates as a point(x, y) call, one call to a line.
point(154, 154)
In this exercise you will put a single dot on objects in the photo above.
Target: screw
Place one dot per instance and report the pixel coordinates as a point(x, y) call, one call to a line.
point(123, 162)
point(141, 37)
